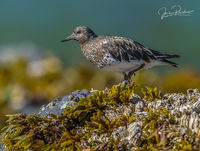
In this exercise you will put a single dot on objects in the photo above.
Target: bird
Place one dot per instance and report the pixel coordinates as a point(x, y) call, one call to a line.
point(118, 54)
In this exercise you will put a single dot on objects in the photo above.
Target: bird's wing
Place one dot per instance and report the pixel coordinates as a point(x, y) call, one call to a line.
point(126, 49)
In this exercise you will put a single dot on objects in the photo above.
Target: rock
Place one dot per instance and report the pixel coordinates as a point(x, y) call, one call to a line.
point(196, 106)
point(139, 103)
point(134, 133)
point(1, 147)
point(110, 118)
point(58, 105)
point(193, 94)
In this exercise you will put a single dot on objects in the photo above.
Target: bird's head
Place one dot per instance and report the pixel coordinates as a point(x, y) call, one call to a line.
point(81, 34)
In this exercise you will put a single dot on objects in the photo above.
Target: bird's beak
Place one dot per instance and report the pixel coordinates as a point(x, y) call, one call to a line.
point(71, 37)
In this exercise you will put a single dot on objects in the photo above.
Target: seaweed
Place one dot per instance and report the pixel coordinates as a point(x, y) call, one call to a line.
point(93, 122)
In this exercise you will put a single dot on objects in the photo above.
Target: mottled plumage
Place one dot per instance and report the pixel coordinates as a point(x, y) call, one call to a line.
point(117, 53)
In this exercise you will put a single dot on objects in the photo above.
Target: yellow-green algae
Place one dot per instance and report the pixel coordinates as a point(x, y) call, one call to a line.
point(73, 129)
point(21, 82)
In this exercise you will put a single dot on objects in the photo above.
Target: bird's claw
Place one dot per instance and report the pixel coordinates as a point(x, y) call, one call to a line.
point(126, 82)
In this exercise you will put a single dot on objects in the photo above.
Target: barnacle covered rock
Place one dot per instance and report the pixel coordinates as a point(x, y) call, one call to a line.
point(196, 106)
point(193, 94)
point(186, 109)
point(134, 133)
point(111, 119)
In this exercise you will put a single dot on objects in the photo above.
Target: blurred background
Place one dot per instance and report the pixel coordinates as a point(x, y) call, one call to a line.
point(35, 67)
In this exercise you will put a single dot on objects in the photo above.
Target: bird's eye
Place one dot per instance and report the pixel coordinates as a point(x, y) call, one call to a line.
point(78, 32)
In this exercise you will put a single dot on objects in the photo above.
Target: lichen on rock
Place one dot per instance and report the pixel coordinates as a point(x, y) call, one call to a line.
point(111, 119)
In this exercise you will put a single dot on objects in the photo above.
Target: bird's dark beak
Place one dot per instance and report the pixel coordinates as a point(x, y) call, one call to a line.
point(71, 37)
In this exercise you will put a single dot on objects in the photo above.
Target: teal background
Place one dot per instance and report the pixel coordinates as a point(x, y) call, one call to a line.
point(46, 22)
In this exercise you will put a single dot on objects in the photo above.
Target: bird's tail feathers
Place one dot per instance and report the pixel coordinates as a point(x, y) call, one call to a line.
point(168, 56)
point(160, 55)
point(169, 62)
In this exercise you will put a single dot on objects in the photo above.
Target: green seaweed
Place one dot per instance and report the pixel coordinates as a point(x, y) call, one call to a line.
point(151, 94)
point(59, 132)
point(73, 129)
point(154, 127)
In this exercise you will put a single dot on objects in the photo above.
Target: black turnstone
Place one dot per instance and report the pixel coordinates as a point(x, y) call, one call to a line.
point(118, 54)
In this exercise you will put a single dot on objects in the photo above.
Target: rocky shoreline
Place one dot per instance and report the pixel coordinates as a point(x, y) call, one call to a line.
point(115, 118)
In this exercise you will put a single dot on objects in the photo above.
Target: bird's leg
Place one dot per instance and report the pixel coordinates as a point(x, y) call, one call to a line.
point(133, 71)
point(125, 76)
point(125, 80)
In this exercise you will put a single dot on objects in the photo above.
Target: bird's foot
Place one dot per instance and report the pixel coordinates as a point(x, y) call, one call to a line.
point(126, 82)
point(123, 83)
point(127, 79)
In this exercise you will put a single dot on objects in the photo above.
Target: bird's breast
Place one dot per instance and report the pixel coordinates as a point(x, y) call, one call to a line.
point(94, 54)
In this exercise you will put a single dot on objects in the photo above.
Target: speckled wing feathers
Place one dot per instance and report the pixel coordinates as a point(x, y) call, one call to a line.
point(124, 49)
point(108, 50)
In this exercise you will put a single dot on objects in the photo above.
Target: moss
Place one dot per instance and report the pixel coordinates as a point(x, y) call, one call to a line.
point(74, 129)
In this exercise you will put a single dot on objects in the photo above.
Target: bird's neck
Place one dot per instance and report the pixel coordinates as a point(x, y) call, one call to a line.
point(92, 37)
